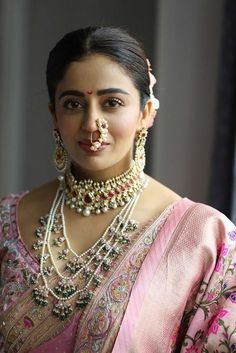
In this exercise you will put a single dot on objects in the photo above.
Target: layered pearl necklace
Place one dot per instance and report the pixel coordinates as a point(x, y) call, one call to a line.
point(82, 273)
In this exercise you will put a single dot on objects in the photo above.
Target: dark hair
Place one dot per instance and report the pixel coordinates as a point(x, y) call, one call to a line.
point(115, 43)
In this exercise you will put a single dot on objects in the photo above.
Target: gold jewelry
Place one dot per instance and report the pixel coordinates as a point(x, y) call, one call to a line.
point(140, 156)
point(102, 125)
point(82, 273)
point(60, 157)
point(88, 196)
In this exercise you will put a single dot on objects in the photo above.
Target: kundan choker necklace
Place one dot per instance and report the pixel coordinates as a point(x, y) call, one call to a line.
point(90, 197)
point(74, 285)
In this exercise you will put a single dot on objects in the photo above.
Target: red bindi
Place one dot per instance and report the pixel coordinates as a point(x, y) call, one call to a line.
point(89, 92)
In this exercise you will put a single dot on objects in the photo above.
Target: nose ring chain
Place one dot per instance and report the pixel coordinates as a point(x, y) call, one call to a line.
point(102, 125)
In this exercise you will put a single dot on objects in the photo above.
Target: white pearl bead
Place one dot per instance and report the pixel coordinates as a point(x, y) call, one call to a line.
point(86, 212)
point(61, 177)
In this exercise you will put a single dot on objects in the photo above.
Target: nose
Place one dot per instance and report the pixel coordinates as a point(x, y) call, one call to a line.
point(89, 121)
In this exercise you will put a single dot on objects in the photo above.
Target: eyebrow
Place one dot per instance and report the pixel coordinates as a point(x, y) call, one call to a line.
point(99, 92)
point(71, 93)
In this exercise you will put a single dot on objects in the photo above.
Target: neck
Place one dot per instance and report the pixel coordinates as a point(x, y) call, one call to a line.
point(100, 175)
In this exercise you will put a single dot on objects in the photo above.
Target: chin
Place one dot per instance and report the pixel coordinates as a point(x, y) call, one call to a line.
point(111, 163)
point(92, 166)
point(100, 165)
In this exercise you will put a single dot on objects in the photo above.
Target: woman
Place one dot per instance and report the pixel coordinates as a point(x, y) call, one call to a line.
point(106, 259)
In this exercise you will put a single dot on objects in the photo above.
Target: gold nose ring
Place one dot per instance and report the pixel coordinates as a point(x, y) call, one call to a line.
point(102, 125)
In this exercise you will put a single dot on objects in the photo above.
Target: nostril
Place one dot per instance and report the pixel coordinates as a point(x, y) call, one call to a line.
point(94, 136)
point(89, 124)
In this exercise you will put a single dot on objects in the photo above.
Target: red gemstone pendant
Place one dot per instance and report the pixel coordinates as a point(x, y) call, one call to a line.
point(87, 199)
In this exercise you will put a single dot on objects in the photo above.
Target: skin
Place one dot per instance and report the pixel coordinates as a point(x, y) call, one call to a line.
point(74, 115)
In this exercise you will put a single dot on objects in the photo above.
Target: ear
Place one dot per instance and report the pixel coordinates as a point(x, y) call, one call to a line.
point(51, 109)
point(146, 115)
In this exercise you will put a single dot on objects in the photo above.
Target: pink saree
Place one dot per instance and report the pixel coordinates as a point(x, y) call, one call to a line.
point(173, 291)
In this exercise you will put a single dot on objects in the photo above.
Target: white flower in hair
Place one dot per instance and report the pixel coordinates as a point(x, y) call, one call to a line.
point(155, 101)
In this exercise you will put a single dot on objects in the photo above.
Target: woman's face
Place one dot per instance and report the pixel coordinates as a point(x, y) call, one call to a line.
point(93, 88)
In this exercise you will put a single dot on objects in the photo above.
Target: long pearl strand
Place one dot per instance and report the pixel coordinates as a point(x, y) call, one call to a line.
point(118, 226)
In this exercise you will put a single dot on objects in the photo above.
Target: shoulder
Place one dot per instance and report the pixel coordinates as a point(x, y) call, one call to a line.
point(202, 215)
point(156, 198)
point(161, 192)
point(204, 231)
point(36, 202)
point(195, 211)
point(193, 221)
point(20, 207)
point(41, 195)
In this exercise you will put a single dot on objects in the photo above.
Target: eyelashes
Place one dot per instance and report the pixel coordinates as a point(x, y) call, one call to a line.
point(72, 104)
point(76, 104)
point(113, 102)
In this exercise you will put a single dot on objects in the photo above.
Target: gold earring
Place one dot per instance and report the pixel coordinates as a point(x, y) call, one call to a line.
point(60, 157)
point(139, 155)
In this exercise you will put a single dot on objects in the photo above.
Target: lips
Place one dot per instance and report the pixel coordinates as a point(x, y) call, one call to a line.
point(85, 144)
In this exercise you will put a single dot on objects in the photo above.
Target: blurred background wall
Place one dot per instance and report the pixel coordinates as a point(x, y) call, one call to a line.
point(29, 30)
point(183, 40)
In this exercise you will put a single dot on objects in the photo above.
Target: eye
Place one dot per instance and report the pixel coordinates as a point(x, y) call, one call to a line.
point(72, 104)
point(113, 102)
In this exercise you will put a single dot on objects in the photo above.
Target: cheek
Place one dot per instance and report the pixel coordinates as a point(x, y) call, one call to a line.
point(124, 127)
point(124, 131)
point(68, 127)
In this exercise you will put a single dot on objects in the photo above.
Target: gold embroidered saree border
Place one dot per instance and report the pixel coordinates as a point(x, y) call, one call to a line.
point(123, 277)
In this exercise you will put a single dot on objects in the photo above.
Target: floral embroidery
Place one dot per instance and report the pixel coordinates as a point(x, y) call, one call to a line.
point(232, 235)
point(119, 288)
point(232, 297)
point(211, 295)
point(16, 269)
point(100, 322)
point(215, 320)
point(28, 322)
point(194, 340)
point(213, 307)
point(223, 252)
point(192, 349)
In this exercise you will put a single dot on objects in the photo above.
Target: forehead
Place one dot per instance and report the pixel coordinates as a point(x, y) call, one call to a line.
point(95, 72)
